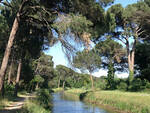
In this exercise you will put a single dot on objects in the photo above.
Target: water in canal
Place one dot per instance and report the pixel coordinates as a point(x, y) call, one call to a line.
point(61, 104)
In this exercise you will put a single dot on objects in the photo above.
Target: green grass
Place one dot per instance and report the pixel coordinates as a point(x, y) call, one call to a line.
point(125, 101)
point(132, 102)
point(32, 107)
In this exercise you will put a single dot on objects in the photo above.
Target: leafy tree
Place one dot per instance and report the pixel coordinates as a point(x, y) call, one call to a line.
point(38, 80)
point(43, 14)
point(3, 34)
point(112, 54)
point(87, 61)
point(63, 73)
point(43, 66)
point(22, 7)
point(128, 27)
point(142, 60)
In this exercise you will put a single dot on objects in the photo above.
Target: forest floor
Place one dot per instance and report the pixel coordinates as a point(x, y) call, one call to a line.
point(15, 105)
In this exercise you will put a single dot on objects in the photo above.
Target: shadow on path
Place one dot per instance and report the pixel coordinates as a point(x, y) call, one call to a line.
point(16, 105)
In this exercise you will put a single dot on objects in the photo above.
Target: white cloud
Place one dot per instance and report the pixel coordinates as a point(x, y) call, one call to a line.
point(102, 72)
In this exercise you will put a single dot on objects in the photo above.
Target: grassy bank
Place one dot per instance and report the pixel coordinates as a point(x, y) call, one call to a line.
point(37, 102)
point(41, 104)
point(33, 107)
point(124, 101)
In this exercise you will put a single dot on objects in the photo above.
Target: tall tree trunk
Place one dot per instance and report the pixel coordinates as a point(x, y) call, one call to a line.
point(10, 44)
point(92, 82)
point(131, 58)
point(64, 84)
point(59, 82)
point(18, 78)
point(10, 72)
point(131, 68)
point(7, 51)
point(37, 86)
point(130, 65)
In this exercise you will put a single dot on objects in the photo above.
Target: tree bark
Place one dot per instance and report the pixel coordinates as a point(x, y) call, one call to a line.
point(10, 72)
point(64, 84)
point(18, 78)
point(10, 44)
point(131, 58)
point(91, 77)
point(59, 82)
point(8, 51)
point(37, 86)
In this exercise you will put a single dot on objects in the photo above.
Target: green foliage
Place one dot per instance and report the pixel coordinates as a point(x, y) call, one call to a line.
point(77, 24)
point(72, 79)
point(38, 79)
point(147, 2)
point(131, 77)
point(110, 76)
point(87, 61)
point(43, 66)
point(9, 87)
point(110, 21)
point(142, 60)
point(112, 53)
point(31, 107)
point(44, 98)
point(41, 104)
point(101, 83)
point(111, 50)
point(124, 101)
point(139, 85)
point(122, 86)
point(117, 10)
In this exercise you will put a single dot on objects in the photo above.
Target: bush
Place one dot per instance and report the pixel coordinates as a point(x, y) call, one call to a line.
point(42, 103)
point(44, 98)
point(9, 87)
point(148, 85)
point(136, 85)
point(139, 85)
point(122, 86)
point(101, 84)
point(9, 90)
point(32, 107)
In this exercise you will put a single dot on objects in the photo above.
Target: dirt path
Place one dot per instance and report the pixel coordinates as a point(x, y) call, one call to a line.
point(15, 106)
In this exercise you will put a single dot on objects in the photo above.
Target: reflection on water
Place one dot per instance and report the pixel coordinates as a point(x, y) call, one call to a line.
point(65, 105)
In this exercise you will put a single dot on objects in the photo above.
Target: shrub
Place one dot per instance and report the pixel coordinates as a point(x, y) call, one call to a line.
point(9, 87)
point(148, 85)
point(136, 84)
point(122, 86)
point(101, 84)
point(44, 98)
point(41, 104)
point(32, 107)
point(139, 85)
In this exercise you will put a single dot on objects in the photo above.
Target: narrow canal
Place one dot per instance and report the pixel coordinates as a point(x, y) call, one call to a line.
point(64, 104)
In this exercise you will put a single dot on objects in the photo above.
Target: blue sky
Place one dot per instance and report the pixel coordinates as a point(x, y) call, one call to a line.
point(125, 2)
point(58, 55)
